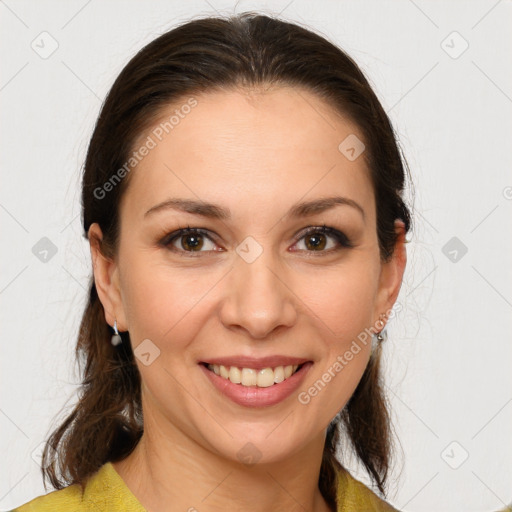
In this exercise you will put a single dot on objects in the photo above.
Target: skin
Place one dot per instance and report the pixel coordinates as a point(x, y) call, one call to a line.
point(256, 153)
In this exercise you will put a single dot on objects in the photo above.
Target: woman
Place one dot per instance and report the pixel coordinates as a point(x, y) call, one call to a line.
point(242, 197)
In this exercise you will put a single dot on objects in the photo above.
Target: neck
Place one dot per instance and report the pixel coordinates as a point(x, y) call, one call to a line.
point(168, 470)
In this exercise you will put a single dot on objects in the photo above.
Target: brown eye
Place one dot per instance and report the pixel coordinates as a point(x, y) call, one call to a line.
point(316, 241)
point(191, 242)
point(324, 239)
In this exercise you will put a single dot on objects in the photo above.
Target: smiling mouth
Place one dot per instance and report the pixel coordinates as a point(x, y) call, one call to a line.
point(250, 377)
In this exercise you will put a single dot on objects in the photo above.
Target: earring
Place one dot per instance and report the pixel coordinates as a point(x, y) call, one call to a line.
point(380, 336)
point(377, 339)
point(116, 338)
point(380, 321)
point(383, 334)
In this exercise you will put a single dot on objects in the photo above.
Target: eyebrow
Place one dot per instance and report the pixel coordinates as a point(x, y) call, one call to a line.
point(213, 211)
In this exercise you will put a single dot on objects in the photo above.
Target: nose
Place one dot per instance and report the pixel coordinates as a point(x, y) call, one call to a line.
point(258, 300)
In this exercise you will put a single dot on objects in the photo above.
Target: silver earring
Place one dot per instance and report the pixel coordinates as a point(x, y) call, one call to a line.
point(116, 338)
point(378, 338)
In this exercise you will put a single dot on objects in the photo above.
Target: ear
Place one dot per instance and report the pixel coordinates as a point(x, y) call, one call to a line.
point(391, 275)
point(106, 278)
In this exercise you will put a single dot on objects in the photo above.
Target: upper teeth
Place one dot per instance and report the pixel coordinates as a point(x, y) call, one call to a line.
point(249, 377)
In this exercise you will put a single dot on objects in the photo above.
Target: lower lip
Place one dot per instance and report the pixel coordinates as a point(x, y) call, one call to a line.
point(253, 396)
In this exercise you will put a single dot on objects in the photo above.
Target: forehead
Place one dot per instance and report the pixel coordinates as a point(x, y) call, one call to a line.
point(245, 146)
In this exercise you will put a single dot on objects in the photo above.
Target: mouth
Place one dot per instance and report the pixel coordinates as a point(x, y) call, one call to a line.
point(254, 377)
point(262, 386)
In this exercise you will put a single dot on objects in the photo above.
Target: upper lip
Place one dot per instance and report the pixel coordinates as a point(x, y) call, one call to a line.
point(257, 363)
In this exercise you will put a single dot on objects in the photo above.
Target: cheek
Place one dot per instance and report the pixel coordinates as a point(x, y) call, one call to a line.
point(342, 305)
point(163, 304)
point(342, 300)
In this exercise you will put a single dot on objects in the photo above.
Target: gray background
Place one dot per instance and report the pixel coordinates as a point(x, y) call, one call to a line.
point(448, 356)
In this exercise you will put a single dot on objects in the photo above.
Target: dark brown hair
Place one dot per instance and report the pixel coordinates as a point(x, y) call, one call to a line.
point(201, 56)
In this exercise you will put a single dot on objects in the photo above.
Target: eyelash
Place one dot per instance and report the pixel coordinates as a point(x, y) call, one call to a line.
point(341, 238)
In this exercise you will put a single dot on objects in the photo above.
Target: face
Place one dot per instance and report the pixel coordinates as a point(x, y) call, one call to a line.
point(259, 278)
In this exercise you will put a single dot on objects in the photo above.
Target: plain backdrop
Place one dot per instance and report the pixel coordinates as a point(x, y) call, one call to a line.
point(443, 73)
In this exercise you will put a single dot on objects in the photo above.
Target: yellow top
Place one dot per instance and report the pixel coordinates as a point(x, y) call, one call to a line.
point(106, 491)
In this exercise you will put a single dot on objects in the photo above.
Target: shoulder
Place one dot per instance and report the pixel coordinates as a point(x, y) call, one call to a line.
point(104, 491)
point(69, 498)
point(353, 495)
